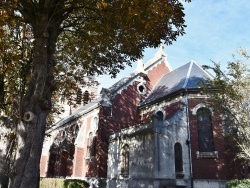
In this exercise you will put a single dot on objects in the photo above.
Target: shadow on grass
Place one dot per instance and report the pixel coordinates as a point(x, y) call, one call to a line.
point(62, 183)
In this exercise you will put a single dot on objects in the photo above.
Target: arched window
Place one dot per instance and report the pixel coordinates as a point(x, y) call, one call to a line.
point(205, 131)
point(86, 97)
point(79, 96)
point(63, 170)
point(125, 161)
point(95, 123)
point(91, 145)
point(53, 158)
point(158, 118)
point(178, 160)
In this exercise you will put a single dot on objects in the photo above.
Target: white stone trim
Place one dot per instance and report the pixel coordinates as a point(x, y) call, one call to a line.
point(201, 105)
point(144, 88)
point(207, 155)
point(160, 109)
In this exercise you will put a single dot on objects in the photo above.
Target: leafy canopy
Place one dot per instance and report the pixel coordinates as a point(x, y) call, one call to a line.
point(92, 37)
point(103, 35)
point(230, 96)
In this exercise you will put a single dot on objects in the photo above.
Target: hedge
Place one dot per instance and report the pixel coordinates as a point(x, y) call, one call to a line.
point(62, 183)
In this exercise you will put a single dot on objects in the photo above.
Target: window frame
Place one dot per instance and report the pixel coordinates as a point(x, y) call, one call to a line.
point(178, 156)
point(91, 147)
point(125, 161)
point(205, 133)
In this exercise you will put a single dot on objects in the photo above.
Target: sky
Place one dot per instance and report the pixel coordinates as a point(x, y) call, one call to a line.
point(215, 30)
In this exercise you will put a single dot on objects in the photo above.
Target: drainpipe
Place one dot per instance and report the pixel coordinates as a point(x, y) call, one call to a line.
point(189, 143)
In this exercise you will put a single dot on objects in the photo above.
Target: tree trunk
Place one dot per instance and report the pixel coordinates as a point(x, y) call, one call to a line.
point(35, 107)
point(4, 164)
point(7, 149)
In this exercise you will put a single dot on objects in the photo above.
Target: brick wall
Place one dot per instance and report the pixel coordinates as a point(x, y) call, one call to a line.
point(43, 166)
point(156, 73)
point(78, 162)
point(124, 114)
point(211, 168)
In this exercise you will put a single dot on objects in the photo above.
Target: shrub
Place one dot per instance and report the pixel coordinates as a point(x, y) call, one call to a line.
point(75, 184)
point(239, 183)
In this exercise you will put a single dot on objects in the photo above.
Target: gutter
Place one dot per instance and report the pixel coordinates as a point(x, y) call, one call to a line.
point(174, 94)
point(73, 117)
point(188, 140)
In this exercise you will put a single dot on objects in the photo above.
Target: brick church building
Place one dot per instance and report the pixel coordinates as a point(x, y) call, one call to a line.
point(150, 129)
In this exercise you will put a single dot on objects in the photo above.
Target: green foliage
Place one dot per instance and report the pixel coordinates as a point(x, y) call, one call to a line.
point(239, 183)
point(62, 183)
point(229, 91)
point(75, 184)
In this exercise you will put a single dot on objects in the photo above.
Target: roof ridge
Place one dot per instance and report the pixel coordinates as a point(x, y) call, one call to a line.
point(186, 76)
point(206, 72)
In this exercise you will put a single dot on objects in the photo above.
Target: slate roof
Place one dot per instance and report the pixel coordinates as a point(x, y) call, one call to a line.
point(187, 77)
point(132, 76)
point(121, 83)
point(79, 112)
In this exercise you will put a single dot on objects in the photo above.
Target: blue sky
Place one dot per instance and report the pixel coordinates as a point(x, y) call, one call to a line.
point(215, 30)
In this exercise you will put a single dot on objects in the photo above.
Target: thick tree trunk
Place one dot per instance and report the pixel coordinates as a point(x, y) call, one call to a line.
point(6, 160)
point(35, 108)
point(30, 140)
